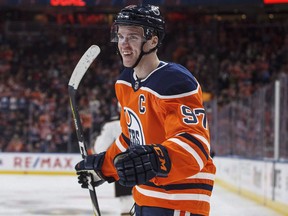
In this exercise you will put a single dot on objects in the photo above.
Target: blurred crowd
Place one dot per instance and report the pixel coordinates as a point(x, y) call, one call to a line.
point(231, 58)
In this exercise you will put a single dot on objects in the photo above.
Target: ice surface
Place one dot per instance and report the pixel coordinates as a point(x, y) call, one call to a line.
point(39, 195)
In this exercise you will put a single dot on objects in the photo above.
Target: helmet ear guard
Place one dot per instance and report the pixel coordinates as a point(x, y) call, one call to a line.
point(149, 32)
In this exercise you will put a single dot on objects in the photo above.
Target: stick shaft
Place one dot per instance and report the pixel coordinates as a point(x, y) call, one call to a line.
point(79, 71)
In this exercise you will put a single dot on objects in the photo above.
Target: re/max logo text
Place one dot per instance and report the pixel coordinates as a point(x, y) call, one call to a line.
point(42, 162)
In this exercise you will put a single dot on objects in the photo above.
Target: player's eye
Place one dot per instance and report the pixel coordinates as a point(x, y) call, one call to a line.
point(132, 38)
point(120, 37)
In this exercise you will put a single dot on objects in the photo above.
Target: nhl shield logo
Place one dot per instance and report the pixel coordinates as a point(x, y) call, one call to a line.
point(136, 85)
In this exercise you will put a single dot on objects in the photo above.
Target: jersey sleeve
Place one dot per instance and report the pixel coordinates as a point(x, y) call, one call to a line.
point(187, 132)
point(120, 145)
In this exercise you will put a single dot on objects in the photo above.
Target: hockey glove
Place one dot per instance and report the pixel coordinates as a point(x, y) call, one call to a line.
point(141, 163)
point(89, 170)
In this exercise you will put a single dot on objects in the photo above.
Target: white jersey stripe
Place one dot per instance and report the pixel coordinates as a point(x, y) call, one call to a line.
point(119, 145)
point(208, 176)
point(205, 141)
point(166, 196)
point(176, 213)
point(124, 82)
point(190, 150)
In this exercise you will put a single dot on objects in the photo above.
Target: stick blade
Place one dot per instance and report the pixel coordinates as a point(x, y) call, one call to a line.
point(82, 66)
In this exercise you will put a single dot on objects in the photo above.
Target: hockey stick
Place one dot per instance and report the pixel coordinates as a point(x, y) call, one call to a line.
point(79, 71)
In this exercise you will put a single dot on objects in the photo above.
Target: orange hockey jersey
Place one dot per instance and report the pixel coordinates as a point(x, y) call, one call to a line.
point(166, 108)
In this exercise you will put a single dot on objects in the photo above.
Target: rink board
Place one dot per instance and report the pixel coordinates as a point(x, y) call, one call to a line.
point(263, 181)
point(36, 163)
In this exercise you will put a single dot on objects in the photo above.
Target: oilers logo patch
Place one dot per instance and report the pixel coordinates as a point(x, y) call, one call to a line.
point(135, 127)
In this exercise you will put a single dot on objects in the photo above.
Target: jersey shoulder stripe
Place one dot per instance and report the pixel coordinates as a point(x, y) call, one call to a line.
point(167, 81)
point(123, 82)
point(172, 79)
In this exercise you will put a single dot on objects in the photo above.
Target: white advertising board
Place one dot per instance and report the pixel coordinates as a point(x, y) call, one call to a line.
point(36, 162)
point(266, 180)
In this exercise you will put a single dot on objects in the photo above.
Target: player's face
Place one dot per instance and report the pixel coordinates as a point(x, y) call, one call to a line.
point(130, 39)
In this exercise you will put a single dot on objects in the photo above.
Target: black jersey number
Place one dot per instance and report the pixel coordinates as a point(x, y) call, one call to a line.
point(191, 116)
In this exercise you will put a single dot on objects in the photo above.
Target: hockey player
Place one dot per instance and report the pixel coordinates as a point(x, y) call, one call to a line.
point(164, 148)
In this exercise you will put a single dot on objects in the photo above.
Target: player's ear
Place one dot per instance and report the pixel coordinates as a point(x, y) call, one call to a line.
point(154, 41)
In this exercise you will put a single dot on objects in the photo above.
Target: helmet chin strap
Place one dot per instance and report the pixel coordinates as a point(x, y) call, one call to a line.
point(142, 54)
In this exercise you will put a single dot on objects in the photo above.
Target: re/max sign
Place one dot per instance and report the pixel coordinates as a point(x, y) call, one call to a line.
point(42, 162)
point(80, 3)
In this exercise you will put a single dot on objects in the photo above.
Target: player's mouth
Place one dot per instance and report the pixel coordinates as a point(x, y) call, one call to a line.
point(128, 58)
point(126, 53)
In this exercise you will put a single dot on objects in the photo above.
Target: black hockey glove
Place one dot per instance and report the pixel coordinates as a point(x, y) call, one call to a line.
point(89, 169)
point(141, 163)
